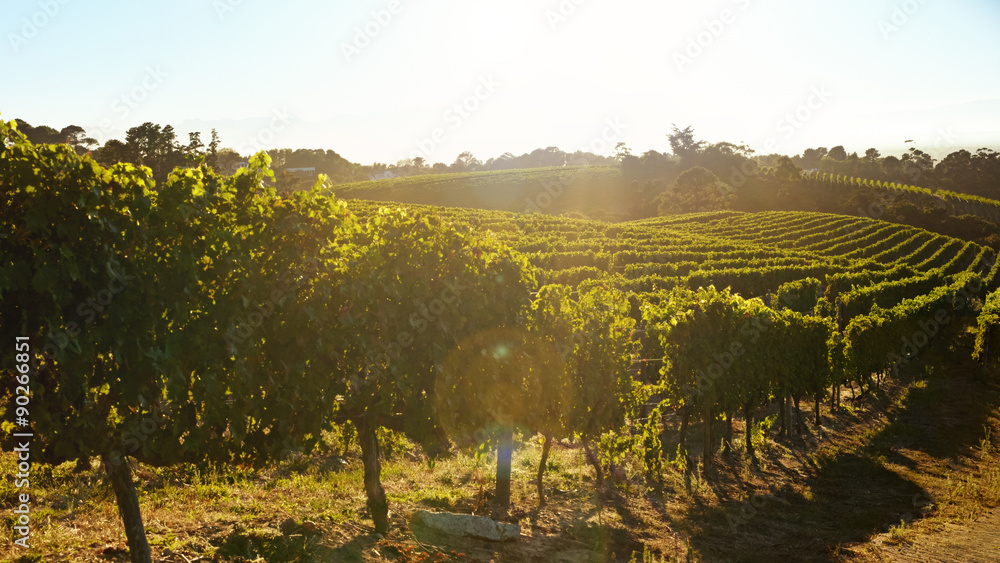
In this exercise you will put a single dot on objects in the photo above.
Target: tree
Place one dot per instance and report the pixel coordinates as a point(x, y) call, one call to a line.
point(228, 161)
point(465, 162)
point(156, 147)
point(917, 166)
point(212, 156)
point(696, 189)
point(505, 161)
point(113, 152)
point(728, 160)
point(76, 137)
point(891, 167)
point(682, 142)
point(72, 135)
point(194, 146)
point(622, 151)
point(811, 158)
point(41, 134)
point(549, 156)
point(651, 165)
point(838, 153)
point(785, 170)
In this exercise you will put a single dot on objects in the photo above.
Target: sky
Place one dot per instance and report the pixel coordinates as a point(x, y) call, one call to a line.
point(384, 80)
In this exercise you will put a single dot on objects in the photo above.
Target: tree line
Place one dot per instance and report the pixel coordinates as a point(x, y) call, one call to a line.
point(157, 146)
point(694, 175)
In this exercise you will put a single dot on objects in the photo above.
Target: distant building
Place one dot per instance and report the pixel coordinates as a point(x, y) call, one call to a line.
point(311, 171)
point(387, 175)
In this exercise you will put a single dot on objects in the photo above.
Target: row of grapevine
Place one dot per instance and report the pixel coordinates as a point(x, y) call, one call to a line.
point(891, 278)
point(886, 338)
point(724, 354)
point(959, 203)
point(720, 249)
point(260, 320)
point(987, 334)
point(890, 292)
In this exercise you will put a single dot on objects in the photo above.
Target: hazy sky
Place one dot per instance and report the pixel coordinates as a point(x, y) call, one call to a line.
point(384, 80)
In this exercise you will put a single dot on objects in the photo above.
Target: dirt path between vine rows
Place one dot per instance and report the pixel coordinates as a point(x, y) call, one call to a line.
point(976, 541)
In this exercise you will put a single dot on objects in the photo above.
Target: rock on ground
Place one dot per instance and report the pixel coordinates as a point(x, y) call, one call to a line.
point(468, 525)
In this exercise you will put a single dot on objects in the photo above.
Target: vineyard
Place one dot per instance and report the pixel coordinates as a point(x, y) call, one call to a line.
point(853, 297)
point(592, 190)
point(249, 325)
point(955, 203)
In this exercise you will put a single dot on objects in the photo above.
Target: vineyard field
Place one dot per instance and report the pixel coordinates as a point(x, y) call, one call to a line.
point(754, 253)
point(214, 328)
point(591, 190)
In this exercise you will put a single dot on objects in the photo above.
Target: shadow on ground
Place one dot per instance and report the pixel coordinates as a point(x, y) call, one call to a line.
point(857, 488)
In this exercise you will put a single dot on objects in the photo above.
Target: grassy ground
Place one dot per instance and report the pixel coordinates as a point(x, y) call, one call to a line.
point(903, 472)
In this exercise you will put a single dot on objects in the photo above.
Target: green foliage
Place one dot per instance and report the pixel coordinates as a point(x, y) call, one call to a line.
point(800, 296)
point(566, 372)
point(939, 210)
point(722, 353)
point(887, 338)
point(206, 318)
point(416, 290)
point(986, 331)
point(146, 308)
point(652, 448)
point(696, 189)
